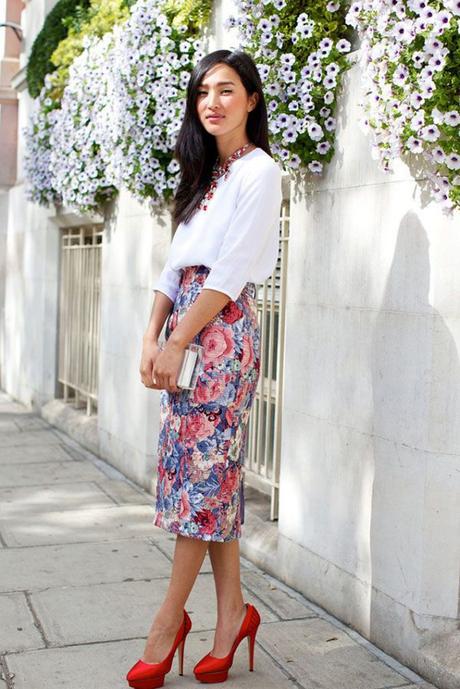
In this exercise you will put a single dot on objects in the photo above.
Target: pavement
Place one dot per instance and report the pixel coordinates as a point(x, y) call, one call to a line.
point(83, 570)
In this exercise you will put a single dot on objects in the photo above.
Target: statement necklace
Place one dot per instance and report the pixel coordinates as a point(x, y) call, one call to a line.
point(217, 171)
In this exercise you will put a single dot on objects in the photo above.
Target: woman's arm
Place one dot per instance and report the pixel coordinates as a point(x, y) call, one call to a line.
point(161, 307)
point(207, 305)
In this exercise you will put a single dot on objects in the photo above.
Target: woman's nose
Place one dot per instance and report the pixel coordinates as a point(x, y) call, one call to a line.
point(213, 98)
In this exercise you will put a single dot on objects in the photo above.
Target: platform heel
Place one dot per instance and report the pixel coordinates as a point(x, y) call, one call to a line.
point(211, 669)
point(152, 675)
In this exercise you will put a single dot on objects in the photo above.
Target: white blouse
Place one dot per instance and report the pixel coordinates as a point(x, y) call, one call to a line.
point(237, 237)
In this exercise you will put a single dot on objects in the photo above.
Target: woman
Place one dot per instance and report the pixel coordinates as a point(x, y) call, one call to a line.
point(227, 206)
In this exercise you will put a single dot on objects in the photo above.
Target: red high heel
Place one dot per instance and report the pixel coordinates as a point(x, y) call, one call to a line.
point(152, 675)
point(213, 669)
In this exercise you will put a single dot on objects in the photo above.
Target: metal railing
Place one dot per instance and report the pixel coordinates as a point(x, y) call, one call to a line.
point(79, 314)
point(263, 449)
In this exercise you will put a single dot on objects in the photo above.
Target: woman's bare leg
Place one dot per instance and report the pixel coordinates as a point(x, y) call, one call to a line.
point(225, 560)
point(189, 554)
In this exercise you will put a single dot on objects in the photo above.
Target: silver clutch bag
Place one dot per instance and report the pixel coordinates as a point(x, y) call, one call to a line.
point(192, 365)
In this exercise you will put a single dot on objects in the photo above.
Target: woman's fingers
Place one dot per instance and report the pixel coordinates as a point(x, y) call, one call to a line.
point(172, 387)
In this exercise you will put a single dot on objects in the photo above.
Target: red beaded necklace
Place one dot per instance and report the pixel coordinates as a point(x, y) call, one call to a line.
point(217, 171)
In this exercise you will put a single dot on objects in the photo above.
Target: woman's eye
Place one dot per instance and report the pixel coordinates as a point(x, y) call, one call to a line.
point(201, 93)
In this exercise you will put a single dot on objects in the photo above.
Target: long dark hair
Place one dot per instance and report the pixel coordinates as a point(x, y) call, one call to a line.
point(196, 149)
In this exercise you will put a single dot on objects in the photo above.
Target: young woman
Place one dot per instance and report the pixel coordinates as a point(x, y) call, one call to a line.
point(227, 207)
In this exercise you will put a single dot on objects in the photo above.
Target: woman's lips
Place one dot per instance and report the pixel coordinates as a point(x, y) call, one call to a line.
point(215, 117)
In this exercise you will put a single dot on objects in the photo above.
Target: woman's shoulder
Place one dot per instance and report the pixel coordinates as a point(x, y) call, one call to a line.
point(261, 165)
point(261, 168)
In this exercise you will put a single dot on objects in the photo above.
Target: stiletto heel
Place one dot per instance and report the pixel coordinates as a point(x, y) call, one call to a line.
point(181, 656)
point(152, 675)
point(251, 643)
point(211, 669)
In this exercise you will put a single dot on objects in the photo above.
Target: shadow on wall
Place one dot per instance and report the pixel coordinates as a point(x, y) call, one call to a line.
point(416, 399)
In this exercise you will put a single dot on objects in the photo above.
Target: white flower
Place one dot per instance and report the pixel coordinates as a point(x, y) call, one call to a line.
point(415, 145)
point(452, 118)
point(343, 46)
point(453, 161)
point(315, 132)
point(430, 133)
point(316, 167)
point(453, 6)
point(438, 154)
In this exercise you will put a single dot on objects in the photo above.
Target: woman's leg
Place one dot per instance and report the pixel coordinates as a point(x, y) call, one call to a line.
point(189, 554)
point(225, 560)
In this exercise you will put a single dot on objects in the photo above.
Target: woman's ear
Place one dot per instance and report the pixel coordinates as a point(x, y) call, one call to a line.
point(253, 100)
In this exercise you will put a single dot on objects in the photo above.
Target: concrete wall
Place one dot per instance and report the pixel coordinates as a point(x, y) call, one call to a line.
point(370, 474)
point(135, 248)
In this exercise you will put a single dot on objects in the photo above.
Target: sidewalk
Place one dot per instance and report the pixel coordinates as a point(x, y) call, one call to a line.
point(82, 570)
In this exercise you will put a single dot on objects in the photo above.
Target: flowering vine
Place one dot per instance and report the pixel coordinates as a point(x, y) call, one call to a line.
point(85, 130)
point(300, 51)
point(410, 59)
point(37, 168)
point(154, 59)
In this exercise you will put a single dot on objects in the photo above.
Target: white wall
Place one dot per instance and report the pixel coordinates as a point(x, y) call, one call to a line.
point(135, 248)
point(370, 471)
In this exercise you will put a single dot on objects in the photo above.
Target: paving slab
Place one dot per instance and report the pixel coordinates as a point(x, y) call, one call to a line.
point(123, 493)
point(278, 598)
point(17, 629)
point(79, 526)
point(34, 455)
point(30, 438)
point(8, 427)
point(47, 473)
point(319, 654)
point(18, 502)
point(104, 666)
point(31, 422)
point(106, 612)
point(79, 564)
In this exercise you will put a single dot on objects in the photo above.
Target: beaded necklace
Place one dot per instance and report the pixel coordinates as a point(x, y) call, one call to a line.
point(217, 171)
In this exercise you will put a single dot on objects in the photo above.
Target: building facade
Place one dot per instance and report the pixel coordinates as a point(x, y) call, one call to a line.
point(353, 470)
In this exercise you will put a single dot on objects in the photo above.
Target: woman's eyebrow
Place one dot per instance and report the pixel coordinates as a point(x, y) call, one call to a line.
point(219, 83)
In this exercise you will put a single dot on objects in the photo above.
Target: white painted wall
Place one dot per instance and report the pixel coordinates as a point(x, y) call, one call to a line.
point(135, 248)
point(370, 475)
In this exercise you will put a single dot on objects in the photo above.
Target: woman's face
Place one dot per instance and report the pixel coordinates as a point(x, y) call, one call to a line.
point(222, 93)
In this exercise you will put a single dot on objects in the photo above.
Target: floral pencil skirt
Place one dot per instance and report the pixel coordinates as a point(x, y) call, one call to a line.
point(202, 438)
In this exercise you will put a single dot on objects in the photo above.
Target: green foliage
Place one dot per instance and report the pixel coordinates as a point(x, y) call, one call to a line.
point(53, 32)
point(101, 17)
point(192, 13)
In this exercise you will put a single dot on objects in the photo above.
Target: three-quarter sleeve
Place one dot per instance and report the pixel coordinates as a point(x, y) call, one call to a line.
point(168, 282)
point(250, 243)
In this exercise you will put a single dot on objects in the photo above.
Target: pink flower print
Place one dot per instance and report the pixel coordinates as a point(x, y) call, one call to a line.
point(168, 484)
point(198, 428)
point(184, 512)
point(230, 416)
point(229, 485)
point(187, 279)
point(248, 354)
point(241, 394)
point(208, 390)
point(218, 344)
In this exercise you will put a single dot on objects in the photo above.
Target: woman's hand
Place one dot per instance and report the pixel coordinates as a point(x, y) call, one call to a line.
point(164, 375)
point(167, 365)
point(150, 352)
